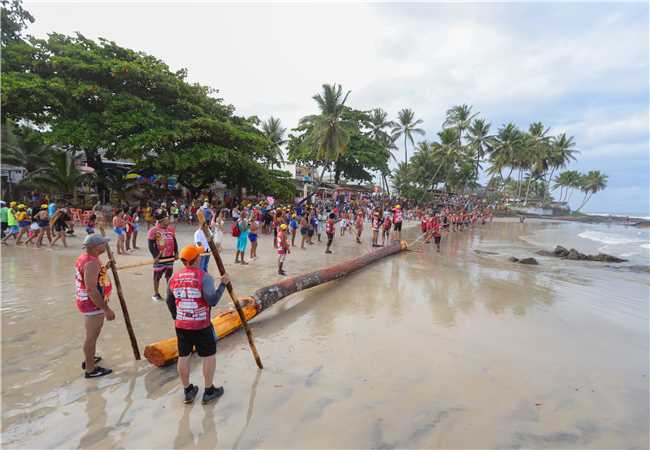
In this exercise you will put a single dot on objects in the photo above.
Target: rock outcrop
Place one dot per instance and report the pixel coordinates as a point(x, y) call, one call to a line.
point(530, 261)
point(575, 255)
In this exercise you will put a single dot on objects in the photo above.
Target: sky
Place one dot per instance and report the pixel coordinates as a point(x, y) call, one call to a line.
point(580, 68)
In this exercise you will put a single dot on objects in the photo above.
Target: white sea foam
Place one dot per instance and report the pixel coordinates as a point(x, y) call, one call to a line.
point(646, 246)
point(608, 238)
point(630, 216)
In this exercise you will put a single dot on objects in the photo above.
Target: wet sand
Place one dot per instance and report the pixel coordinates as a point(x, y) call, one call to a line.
point(420, 350)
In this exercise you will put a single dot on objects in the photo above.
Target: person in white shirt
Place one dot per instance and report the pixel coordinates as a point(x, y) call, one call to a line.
point(201, 241)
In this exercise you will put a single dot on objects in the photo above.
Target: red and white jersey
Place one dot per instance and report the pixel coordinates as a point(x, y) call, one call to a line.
point(282, 243)
point(82, 299)
point(329, 226)
point(192, 311)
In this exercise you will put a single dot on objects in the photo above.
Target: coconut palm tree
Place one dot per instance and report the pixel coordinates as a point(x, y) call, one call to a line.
point(61, 175)
point(328, 134)
point(407, 126)
point(24, 148)
point(447, 153)
point(401, 179)
point(574, 182)
point(459, 117)
point(562, 182)
point(507, 149)
point(479, 142)
point(538, 153)
point(274, 132)
point(561, 153)
point(591, 183)
point(380, 127)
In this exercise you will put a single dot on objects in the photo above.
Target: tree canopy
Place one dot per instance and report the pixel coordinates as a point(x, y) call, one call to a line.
point(109, 101)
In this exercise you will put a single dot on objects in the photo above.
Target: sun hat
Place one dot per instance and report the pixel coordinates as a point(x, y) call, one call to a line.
point(93, 240)
point(190, 252)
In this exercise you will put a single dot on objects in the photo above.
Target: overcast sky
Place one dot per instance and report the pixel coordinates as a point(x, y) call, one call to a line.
point(580, 68)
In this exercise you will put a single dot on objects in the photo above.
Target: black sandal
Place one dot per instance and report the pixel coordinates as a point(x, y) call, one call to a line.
point(98, 372)
point(83, 363)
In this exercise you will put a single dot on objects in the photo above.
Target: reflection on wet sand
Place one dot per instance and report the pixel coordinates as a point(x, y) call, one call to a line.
point(450, 350)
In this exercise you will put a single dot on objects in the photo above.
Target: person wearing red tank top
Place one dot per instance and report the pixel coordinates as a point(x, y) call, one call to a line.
point(92, 288)
point(329, 231)
point(190, 296)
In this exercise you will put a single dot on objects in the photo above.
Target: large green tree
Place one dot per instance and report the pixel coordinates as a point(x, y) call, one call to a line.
point(112, 102)
point(366, 151)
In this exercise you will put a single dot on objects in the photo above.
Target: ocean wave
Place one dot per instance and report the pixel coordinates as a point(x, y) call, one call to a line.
point(608, 238)
point(646, 246)
point(630, 216)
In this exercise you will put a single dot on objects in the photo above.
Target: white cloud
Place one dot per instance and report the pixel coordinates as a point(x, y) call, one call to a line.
point(581, 66)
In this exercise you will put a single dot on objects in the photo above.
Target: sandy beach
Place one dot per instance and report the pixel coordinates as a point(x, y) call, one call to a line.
point(458, 349)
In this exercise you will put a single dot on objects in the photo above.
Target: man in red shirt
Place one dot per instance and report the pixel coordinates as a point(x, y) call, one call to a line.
point(435, 226)
point(93, 289)
point(329, 231)
point(190, 296)
point(162, 245)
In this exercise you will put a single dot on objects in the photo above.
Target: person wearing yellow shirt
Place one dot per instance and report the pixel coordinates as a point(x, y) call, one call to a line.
point(23, 223)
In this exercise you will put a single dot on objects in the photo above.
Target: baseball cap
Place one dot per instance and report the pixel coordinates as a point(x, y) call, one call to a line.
point(93, 240)
point(283, 226)
point(190, 252)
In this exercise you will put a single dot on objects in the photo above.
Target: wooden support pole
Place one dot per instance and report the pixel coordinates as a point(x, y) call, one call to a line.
point(125, 311)
point(222, 270)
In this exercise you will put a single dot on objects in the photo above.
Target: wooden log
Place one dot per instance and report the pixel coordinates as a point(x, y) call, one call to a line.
point(165, 352)
point(125, 311)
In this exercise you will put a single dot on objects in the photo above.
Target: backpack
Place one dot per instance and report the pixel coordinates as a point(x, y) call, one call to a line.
point(235, 229)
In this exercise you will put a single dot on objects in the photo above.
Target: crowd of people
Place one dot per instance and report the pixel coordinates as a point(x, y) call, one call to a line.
point(190, 293)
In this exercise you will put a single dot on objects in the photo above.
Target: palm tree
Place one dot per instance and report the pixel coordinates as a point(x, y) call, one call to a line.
point(479, 142)
point(561, 153)
point(328, 134)
point(460, 118)
point(61, 175)
point(593, 182)
point(446, 153)
point(562, 181)
point(538, 154)
point(574, 182)
point(24, 148)
point(379, 123)
point(407, 127)
point(402, 179)
point(274, 132)
point(508, 145)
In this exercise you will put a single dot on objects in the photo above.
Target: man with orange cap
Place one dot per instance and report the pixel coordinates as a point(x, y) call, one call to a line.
point(190, 296)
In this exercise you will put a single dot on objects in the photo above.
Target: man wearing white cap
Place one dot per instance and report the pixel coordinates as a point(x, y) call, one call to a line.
point(93, 288)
